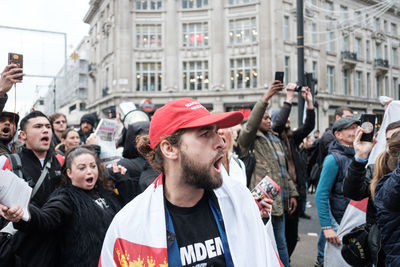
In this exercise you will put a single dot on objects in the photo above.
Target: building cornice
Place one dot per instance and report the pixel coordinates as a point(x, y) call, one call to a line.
point(94, 7)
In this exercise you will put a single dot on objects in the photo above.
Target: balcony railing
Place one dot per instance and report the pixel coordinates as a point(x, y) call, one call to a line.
point(349, 55)
point(383, 63)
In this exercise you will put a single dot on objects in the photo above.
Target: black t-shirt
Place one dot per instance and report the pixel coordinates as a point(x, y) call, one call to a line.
point(197, 234)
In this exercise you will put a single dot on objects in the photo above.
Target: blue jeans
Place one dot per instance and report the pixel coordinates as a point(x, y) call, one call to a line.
point(322, 240)
point(278, 223)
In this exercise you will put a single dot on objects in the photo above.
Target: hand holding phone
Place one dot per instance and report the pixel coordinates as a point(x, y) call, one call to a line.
point(368, 123)
point(17, 59)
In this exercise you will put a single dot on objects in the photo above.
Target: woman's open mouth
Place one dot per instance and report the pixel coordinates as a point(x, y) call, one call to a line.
point(89, 180)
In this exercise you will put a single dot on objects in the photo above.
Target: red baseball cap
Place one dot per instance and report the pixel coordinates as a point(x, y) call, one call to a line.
point(186, 113)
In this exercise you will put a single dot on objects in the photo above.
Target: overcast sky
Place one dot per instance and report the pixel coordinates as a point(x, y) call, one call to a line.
point(43, 53)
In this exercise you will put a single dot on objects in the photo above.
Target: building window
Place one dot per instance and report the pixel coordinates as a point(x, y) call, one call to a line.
point(195, 34)
point(385, 27)
point(385, 50)
point(148, 76)
point(386, 85)
point(148, 4)
point(286, 29)
point(394, 56)
point(238, 2)
point(378, 50)
point(194, 3)
point(344, 13)
point(345, 43)
point(367, 51)
point(394, 29)
point(358, 48)
point(314, 35)
point(346, 82)
point(377, 24)
point(394, 86)
point(195, 75)
point(330, 46)
point(148, 36)
point(329, 8)
point(287, 69)
point(243, 73)
point(82, 106)
point(368, 85)
point(315, 69)
point(330, 71)
point(358, 83)
point(378, 86)
point(243, 31)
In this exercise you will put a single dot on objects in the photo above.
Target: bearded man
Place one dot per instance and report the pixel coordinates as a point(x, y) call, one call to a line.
point(189, 216)
point(8, 128)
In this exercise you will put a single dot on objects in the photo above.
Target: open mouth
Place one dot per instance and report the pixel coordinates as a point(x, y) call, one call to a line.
point(6, 130)
point(217, 163)
point(89, 180)
point(45, 139)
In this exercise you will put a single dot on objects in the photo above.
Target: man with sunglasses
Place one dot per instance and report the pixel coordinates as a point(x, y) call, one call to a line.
point(59, 124)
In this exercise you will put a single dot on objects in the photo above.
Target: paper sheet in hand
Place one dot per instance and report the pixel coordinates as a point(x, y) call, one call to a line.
point(14, 191)
point(106, 133)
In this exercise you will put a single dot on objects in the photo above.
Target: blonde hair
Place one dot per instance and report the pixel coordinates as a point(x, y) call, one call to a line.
point(387, 161)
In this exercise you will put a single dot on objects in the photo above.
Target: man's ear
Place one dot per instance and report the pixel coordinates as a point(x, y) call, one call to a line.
point(22, 135)
point(338, 135)
point(169, 151)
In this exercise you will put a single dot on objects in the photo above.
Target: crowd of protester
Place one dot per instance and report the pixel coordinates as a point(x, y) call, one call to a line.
point(180, 183)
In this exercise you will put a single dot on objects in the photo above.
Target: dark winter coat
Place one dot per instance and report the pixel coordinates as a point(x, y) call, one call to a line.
point(387, 199)
point(338, 202)
point(30, 243)
point(295, 139)
point(139, 173)
point(78, 220)
point(356, 186)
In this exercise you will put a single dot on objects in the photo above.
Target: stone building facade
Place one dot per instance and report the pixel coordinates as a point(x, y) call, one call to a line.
point(224, 53)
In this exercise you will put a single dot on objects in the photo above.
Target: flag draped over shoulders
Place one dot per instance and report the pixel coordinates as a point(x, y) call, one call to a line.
point(354, 216)
point(138, 235)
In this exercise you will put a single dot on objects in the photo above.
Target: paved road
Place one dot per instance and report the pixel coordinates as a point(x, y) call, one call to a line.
point(305, 253)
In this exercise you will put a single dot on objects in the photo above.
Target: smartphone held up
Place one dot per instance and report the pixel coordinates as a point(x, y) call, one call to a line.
point(368, 124)
point(17, 59)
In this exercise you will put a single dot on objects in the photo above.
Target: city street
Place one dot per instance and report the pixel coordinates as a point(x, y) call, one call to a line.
point(305, 253)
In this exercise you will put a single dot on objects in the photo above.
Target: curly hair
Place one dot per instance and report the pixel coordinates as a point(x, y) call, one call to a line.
point(155, 157)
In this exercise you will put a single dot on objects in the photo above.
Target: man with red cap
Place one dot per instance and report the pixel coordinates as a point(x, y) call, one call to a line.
point(189, 216)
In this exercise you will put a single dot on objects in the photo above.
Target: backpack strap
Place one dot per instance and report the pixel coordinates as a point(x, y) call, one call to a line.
point(16, 164)
point(41, 178)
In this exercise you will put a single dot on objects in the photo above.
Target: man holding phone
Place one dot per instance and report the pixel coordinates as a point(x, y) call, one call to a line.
point(10, 75)
point(329, 198)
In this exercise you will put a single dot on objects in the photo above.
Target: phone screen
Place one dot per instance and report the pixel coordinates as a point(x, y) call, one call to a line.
point(368, 123)
point(16, 59)
point(279, 76)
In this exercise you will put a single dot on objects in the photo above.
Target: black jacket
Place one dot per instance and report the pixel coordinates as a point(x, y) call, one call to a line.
point(139, 172)
point(356, 186)
point(78, 220)
point(295, 140)
point(29, 243)
point(83, 136)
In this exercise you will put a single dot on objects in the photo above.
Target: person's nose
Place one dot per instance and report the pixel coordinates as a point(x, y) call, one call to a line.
point(220, 142)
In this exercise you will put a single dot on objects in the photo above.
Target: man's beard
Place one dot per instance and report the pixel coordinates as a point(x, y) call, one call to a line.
point(199, 175)
point(5, 140)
